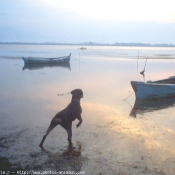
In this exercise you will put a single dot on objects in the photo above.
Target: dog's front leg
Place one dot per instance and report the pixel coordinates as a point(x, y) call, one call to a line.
point(80, 121)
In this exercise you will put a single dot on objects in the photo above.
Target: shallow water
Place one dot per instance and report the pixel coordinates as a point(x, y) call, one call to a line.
point(114, 138)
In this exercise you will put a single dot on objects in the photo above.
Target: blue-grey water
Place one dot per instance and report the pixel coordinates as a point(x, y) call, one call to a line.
point(114, 138)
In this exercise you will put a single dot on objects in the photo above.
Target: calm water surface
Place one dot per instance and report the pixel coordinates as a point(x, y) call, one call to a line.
point(114, 137)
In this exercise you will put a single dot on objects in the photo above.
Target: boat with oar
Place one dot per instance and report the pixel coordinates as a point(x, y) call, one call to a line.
point(40, 60)
point(154, 89)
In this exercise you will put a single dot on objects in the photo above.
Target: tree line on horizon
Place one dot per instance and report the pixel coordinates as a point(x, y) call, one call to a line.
point(94, 44)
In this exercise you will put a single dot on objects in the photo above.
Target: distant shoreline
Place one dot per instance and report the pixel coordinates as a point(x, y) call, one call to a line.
point(94, 44)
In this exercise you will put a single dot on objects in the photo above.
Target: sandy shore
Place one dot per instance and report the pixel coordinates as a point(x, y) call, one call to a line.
point(124, 147)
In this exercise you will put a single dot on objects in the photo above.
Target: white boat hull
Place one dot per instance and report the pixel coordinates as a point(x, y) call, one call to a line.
point(152, 90)
point(38, 60)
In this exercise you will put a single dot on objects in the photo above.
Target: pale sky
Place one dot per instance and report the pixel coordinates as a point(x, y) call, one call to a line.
point(75, 21)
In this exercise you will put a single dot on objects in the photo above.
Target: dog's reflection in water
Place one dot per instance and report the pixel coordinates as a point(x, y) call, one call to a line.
point(70, 159)
point(73, 151)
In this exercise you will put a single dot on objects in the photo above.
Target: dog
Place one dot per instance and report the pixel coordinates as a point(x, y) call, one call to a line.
point(67, 116)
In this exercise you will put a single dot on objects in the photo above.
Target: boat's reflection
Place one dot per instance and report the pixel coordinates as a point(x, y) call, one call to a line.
point(144, 106)
point(41, 66)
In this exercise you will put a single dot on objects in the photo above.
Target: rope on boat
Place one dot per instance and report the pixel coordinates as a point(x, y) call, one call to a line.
point(128, 96)
point(137, 63)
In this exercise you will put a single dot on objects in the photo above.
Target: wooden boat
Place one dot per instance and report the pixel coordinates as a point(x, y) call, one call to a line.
point(40, 60)
point(154, 89)
point(142, 106)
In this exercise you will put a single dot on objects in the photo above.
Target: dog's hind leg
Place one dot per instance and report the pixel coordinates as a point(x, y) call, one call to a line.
point(53, 124)
point(44, 137)
point(69, 132)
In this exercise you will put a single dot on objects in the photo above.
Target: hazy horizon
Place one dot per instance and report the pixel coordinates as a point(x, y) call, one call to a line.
point(78, 21)
point(91, 44)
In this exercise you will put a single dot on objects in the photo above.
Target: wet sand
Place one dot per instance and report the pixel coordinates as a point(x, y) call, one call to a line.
point(128, 146)
point(110, 140)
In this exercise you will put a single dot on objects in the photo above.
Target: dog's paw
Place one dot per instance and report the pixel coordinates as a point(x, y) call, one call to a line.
point(70, 145)
point(41, 146)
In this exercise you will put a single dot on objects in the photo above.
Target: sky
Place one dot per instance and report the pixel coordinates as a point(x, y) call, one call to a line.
point(78, 21)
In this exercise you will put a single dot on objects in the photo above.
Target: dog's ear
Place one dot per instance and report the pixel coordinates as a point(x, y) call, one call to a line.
point(72, 92)
point(77, 92)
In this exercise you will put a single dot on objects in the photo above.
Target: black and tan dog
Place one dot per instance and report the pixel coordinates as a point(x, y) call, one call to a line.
point(67, 116)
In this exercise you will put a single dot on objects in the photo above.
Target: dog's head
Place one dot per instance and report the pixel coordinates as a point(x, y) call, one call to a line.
point(77, 93)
